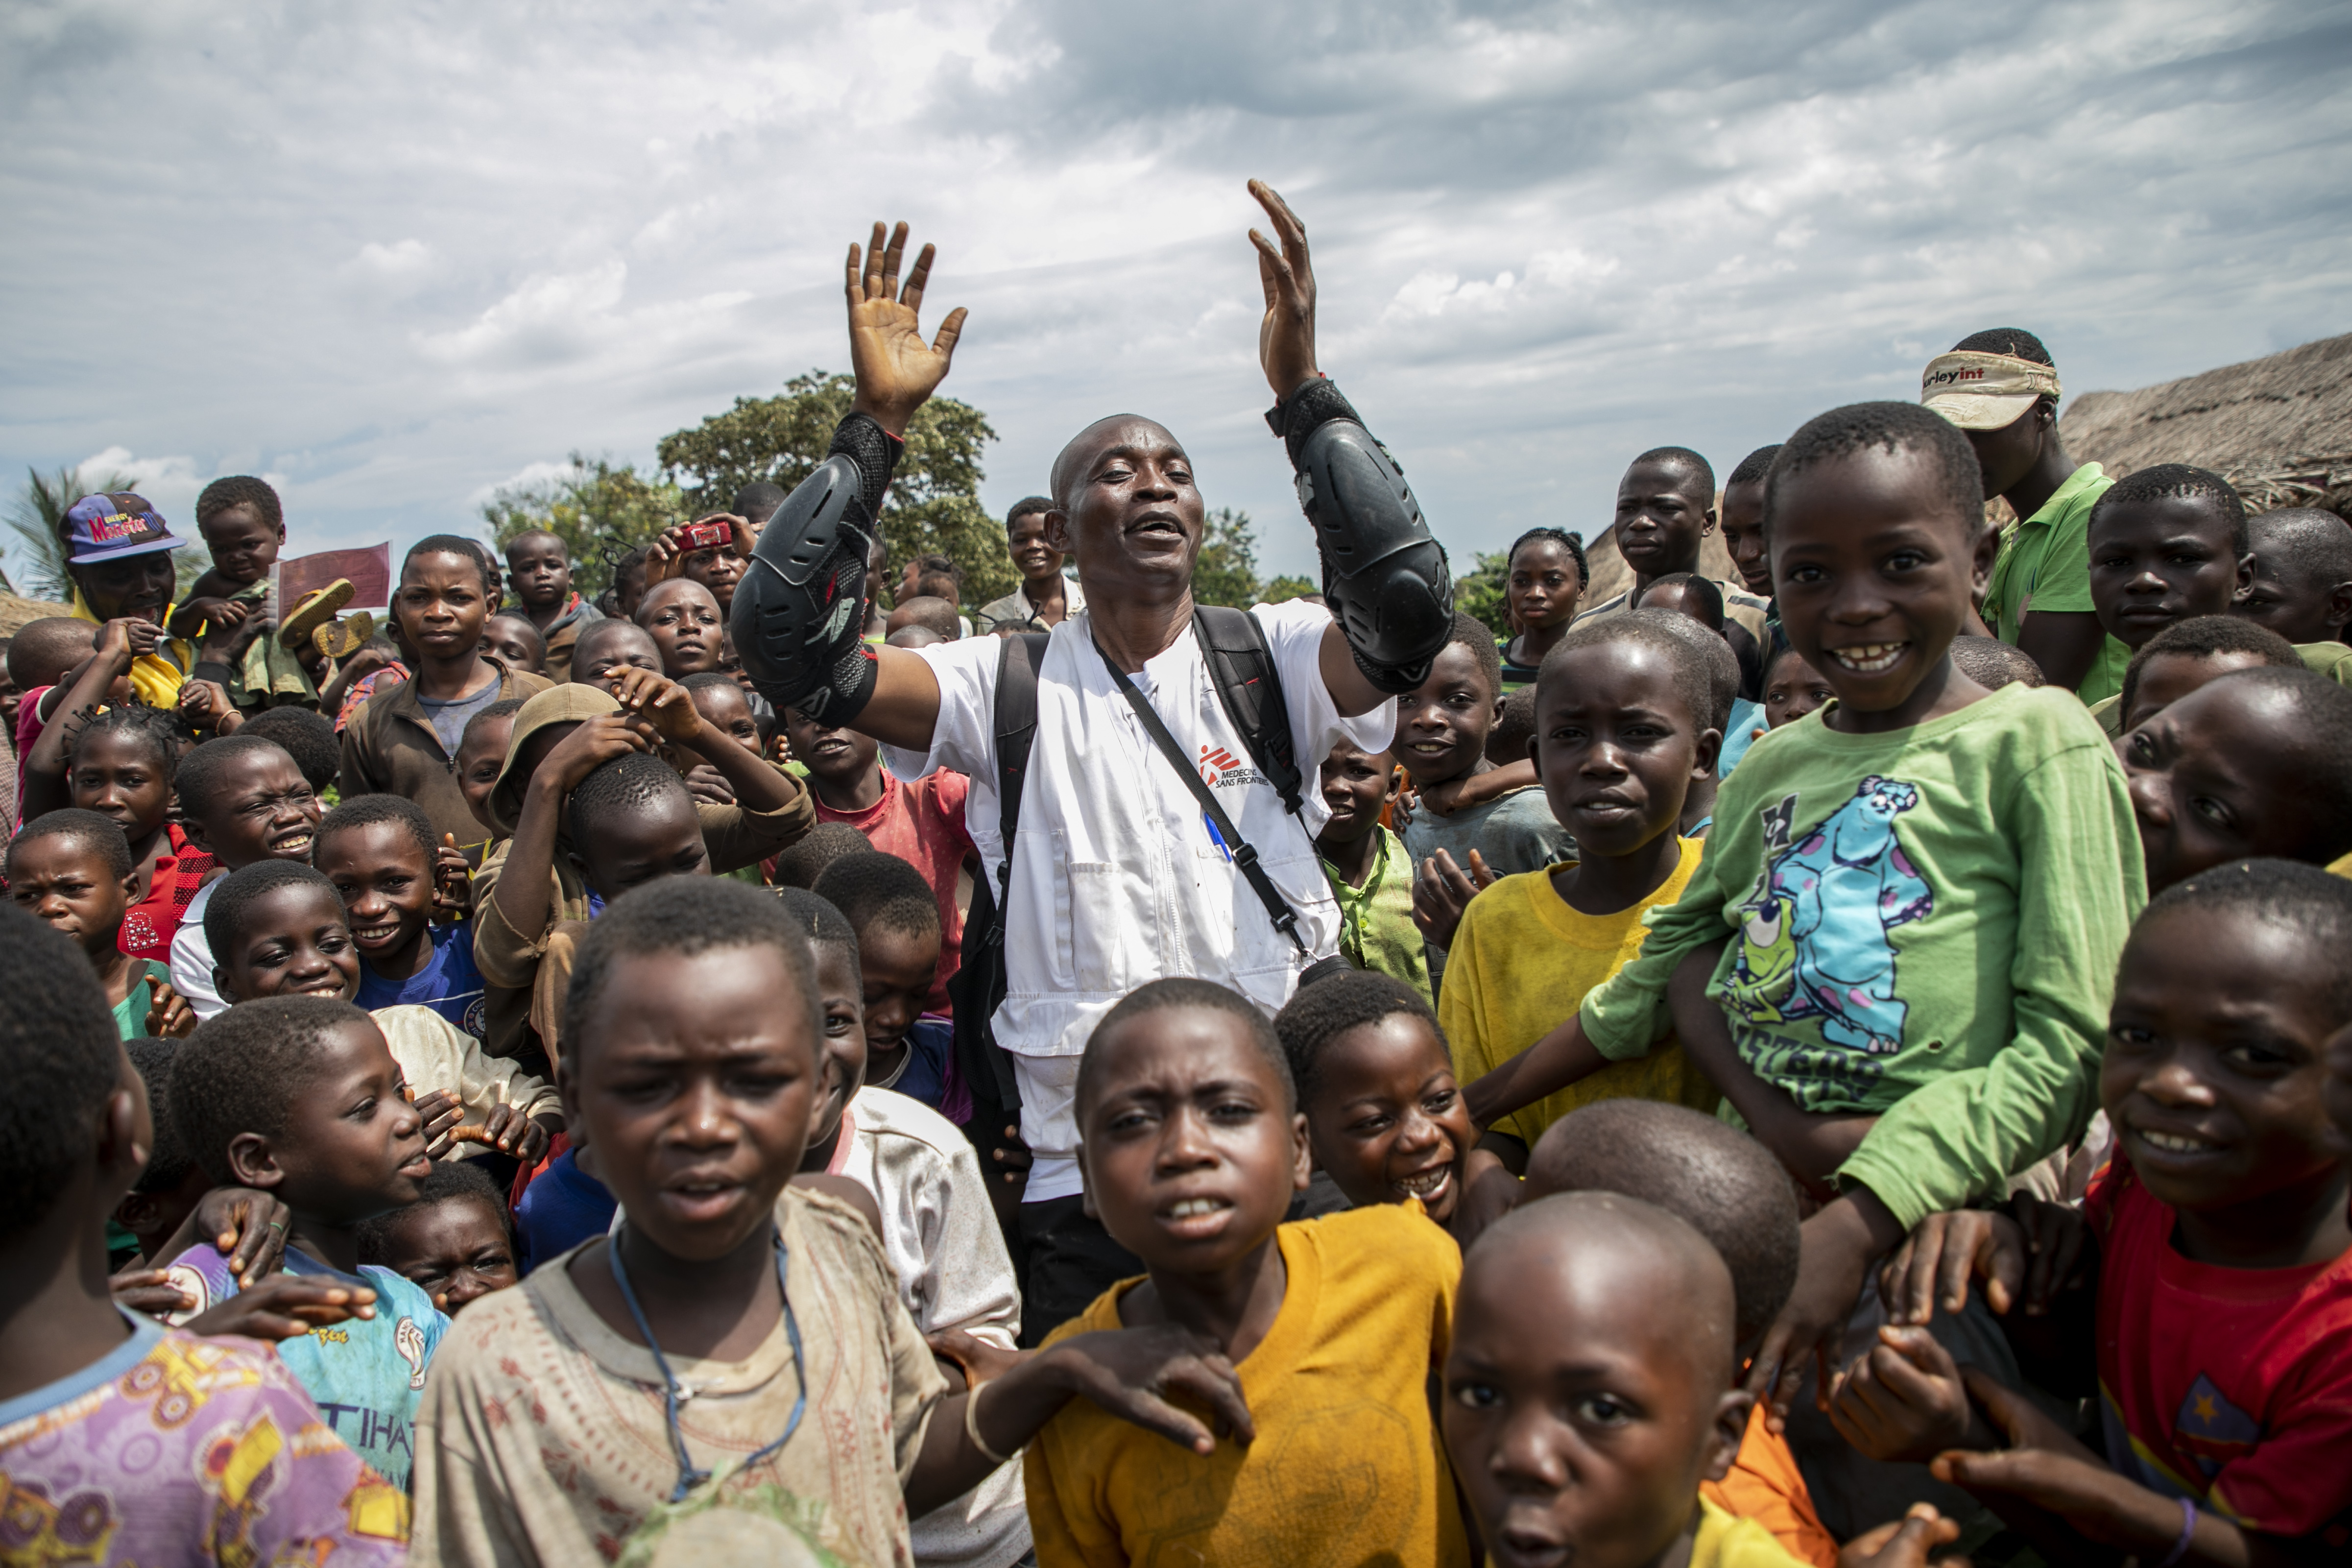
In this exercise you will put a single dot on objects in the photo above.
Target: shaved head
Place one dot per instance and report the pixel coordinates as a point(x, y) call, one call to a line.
point(1102, 436)
point(1609, 1246)
point(1718, 1180)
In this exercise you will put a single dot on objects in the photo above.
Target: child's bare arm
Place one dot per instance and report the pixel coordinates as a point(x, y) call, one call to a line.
point(209, 603)
point(521, 893)
point(1451, 795)
point(665, 704)
point(2043, 1477)
point(119, 643)
point(1562, 1058)
point(1127, 1371)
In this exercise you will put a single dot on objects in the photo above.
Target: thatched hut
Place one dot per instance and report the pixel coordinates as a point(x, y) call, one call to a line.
point(2280, 428)
point(16, 614)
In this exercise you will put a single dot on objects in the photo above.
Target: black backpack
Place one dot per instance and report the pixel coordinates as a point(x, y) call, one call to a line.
point(1240, 667)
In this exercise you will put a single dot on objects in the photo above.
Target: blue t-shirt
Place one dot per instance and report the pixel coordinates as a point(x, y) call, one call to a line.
point(563, 1206)
point(448, 984)
point(925, 1076)
point(365, 1374)
point(1740, 732)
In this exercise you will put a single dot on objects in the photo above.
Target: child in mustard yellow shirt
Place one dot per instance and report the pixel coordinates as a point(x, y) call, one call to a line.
point(1191, 1145)
point(1621, 712)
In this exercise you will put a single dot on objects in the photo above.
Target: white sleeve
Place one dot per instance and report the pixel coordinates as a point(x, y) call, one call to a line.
point(1293, 632)
point(971, 1285)
point(192, 967)
point(964, 739)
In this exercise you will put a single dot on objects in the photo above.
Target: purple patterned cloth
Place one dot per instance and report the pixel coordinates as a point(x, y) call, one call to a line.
point(175, 1449)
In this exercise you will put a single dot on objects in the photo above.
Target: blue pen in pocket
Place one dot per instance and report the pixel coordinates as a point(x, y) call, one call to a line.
point(1216, 838)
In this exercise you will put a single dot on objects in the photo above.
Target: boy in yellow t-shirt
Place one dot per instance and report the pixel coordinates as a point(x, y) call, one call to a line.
point(1191, 1145)
point(1623, 708)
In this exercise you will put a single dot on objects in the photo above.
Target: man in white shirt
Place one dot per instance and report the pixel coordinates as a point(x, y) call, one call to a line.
point(1117, 876)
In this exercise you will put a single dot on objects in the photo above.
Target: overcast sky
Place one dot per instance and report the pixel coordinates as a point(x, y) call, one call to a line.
point(393, 255)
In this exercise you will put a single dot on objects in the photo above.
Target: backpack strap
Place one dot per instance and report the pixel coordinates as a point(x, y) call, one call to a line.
point(979, 985)
point(1249, 687)
point(1016, 732)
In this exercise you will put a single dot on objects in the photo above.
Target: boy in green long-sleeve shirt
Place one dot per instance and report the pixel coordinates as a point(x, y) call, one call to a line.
point(1911, 906)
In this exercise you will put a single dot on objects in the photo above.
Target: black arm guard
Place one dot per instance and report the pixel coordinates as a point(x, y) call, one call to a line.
point(799, 616)
point(1384, 576)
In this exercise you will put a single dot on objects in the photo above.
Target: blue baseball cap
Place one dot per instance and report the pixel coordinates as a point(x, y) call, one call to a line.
point(111, 526)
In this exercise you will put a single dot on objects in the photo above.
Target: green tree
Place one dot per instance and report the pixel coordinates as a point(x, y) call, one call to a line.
point(1226, 571)
point(601, 510)
point(1480, 594)
point(934, 504)
point(36, 552)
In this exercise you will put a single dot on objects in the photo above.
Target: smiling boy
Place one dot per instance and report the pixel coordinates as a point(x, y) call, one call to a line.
point(1868, 864)
point(1044, 597)
point(378, 851)
point(245, 800)
point(2208, 1277)
point(299, 1097)
point(2253, 763)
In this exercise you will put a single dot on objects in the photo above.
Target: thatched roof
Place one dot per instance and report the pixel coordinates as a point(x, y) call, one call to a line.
point(16, 614)
point(2280, 429)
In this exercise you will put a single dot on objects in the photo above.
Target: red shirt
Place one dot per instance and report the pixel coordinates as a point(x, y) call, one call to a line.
point(149, 925)
point(923, 824)
point(2231, 1386)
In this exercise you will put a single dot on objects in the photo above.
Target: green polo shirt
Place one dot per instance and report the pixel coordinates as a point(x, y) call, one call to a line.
point(1376, 927)
point(2046, 565)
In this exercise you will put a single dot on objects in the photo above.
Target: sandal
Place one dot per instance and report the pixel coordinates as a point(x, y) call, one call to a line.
point(315, 610)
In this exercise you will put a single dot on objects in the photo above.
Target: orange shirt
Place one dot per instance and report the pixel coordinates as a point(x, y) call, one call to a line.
point(1765, 1485)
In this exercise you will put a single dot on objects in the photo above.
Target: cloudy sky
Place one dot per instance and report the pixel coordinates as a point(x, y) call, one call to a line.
point(393, 255)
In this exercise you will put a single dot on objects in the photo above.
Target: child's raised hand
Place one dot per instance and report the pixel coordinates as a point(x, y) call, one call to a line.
point(897, 371)
point(127, 637)
point(1906, 1543)
point(169, 1016)
point(708, 785)
point(1286, 338)
point(597, 742)
point(204, 704)
point(1443, 890)
point(661, 703)
point(510, 1131)
point(1939, 1256)
point(285, 1307)
point(1129, 1373)
point(247, 1227)
point(218, 615)
point(665, 556)
point(441, 1111)
point(453, 884)
point(1904, 1400)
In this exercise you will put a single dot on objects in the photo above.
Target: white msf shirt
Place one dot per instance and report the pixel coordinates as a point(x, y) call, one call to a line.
point(192, 957)
point(1116, 880)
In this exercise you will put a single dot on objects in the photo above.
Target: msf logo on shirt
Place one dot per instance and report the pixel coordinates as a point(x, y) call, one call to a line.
point(1220, 769)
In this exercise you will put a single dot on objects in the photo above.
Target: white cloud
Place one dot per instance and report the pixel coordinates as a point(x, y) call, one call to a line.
point(400, 253)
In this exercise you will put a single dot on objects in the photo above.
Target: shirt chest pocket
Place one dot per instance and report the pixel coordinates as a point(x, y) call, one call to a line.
point(1103, 924)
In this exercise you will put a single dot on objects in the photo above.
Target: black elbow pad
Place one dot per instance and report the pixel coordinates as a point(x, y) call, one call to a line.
point(799, 614)
point(1384, 576)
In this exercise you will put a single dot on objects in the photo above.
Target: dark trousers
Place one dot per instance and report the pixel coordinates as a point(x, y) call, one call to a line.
point(1068, 1260)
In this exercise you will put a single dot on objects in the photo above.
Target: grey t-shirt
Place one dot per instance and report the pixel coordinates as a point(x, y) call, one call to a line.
point(448, 718)
point(1515, 834)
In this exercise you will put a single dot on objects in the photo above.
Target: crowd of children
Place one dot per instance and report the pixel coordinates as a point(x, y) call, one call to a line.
point(1847, 1064)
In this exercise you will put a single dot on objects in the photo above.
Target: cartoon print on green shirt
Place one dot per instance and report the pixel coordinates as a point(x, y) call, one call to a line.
point(1813, 939)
